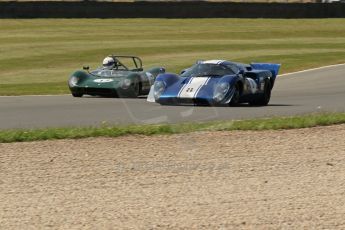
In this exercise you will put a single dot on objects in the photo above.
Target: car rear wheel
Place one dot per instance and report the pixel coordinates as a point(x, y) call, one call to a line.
point(263, 99)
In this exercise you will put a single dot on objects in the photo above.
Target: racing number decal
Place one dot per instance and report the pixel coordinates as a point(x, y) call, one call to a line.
point(192, 87)
point(189, 90)
point(102, 80)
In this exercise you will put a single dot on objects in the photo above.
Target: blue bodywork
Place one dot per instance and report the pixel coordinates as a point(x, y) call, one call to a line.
point(248, 80)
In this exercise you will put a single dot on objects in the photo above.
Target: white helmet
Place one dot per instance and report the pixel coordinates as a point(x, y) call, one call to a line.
point(109, 63)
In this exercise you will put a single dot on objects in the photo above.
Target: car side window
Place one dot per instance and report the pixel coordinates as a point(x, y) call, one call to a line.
point(234, 68)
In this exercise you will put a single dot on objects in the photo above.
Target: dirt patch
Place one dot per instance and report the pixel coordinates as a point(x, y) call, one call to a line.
point(260, 180)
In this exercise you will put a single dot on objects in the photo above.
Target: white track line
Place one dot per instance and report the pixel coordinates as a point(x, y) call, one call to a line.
point(285, 74)
point(307, 70)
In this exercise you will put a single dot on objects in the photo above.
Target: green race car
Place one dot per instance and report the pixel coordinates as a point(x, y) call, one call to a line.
point(120, 76)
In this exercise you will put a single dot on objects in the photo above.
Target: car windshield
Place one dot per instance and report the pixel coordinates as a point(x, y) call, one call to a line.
point(122, 63)
point(201, 70)
point(104, 72)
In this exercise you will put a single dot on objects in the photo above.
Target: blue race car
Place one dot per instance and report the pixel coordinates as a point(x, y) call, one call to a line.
point(216, 82)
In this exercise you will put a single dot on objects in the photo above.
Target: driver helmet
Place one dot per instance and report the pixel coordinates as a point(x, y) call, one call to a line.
point(109, 63)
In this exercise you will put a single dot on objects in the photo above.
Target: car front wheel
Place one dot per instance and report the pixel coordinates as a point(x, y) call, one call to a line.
point(236, 96)
point(76, 94)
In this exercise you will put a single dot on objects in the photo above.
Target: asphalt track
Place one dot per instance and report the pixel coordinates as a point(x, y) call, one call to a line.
point(317, 90)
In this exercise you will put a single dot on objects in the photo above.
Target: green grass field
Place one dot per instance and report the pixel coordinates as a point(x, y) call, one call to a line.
point(37, 56)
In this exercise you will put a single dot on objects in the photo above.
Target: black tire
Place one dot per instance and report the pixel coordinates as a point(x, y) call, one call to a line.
point(263, 99)
point(77, 94)
point(235, 100)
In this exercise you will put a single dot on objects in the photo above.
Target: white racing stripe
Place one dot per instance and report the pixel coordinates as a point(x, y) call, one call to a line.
point(191, 89)
point(202, 86)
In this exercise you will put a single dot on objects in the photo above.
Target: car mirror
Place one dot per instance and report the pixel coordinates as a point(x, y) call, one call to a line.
point(86, 67)
point(183, 71)
point(241, 71)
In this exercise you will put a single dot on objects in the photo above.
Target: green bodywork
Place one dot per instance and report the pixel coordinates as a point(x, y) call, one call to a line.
point(119, 82)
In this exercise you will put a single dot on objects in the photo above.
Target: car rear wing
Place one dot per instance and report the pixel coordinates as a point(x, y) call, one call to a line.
point(274, 68)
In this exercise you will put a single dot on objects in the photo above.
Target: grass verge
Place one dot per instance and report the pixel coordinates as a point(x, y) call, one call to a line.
point(25, 135)
point(32, 64)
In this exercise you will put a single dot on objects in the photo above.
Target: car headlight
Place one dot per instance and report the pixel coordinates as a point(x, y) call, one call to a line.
point(126, 83)
point(220, 91)
point(158, 89)
point(73, 81)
